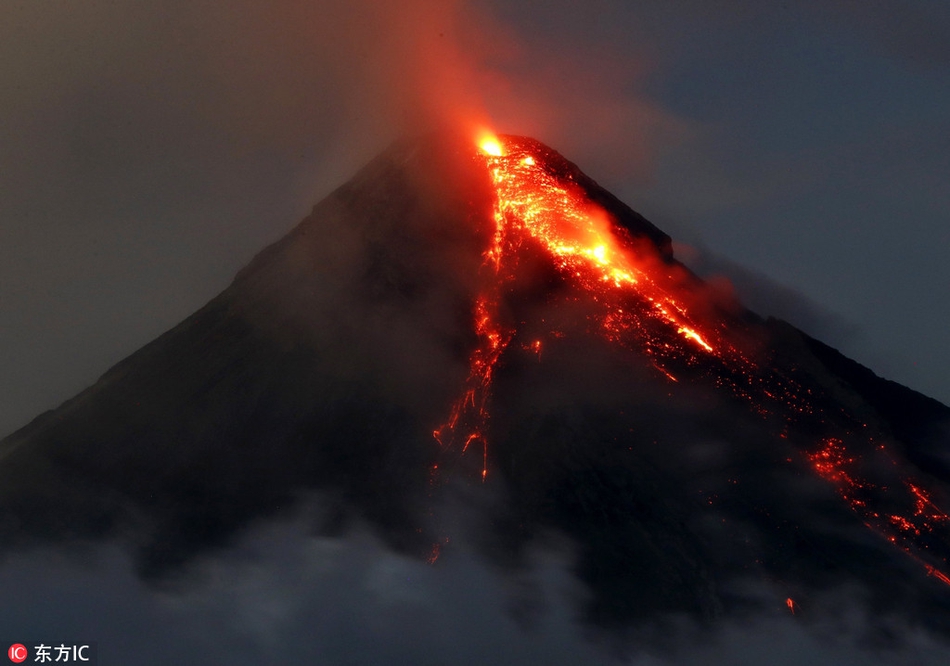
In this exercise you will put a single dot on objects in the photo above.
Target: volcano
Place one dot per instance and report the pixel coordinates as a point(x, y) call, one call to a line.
point(477, 318)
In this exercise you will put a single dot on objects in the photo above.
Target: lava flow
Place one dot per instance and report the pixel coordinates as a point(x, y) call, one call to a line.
point(913, 520)
point(640, 305)
point(531, 204)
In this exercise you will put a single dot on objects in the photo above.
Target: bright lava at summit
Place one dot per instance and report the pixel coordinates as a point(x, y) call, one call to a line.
point(532, 204)
point(640, 304)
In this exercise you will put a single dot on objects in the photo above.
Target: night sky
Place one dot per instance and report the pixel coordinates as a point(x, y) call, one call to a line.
point(148, 151)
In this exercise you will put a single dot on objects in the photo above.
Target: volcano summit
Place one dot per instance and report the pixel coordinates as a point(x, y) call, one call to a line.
point(479, 320)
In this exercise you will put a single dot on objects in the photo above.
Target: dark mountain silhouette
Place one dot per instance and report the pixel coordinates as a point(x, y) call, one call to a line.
point(680, 477)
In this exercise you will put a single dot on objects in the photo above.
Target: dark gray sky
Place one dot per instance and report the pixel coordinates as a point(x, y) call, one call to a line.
point(148, 150)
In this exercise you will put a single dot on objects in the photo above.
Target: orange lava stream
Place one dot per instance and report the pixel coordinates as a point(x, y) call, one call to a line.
point(471, 410)
point(533, 205)
point(638, 310)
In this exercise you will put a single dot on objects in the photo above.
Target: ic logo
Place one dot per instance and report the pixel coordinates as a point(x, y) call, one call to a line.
point(18, 653)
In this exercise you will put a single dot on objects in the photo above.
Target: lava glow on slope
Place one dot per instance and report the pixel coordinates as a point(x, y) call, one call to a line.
point(534, 205)
point(642, 307)
point(911, 525)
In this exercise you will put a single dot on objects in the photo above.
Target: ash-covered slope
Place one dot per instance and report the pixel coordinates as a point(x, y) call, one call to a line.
point(699, 459)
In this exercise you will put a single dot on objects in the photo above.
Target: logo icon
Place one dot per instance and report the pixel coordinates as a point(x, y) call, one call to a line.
point(18, 653)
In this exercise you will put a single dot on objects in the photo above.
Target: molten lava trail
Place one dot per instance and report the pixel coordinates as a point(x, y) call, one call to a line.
point(534, 206)
point(640, 304)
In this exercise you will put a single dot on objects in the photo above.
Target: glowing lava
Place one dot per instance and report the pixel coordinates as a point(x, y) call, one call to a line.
point(533, 205)
point(490, 146)
point(912, 518)
point(639, 304)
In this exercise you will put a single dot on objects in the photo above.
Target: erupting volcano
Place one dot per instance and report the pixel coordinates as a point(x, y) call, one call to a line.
point(477, 316)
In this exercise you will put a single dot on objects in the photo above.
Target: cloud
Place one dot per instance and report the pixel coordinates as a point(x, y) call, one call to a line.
point(284, 595)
